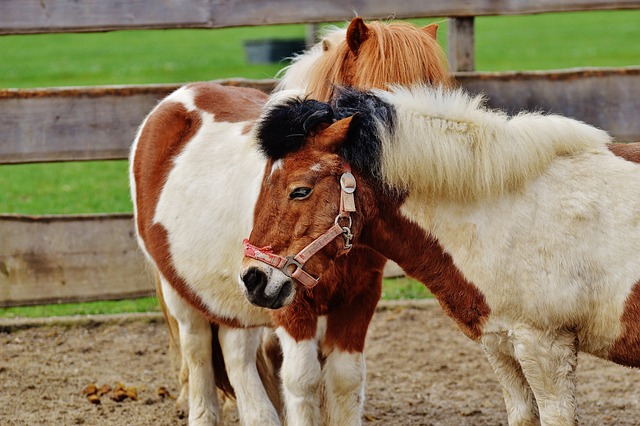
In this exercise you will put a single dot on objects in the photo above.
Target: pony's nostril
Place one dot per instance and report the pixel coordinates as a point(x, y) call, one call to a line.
point(254, 278)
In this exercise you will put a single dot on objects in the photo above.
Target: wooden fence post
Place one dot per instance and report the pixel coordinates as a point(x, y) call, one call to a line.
point(311, 35)
point(460, 44)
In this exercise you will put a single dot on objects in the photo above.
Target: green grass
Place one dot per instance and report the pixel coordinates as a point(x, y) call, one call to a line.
point(133, 57)
point(533, 42)
point(560, 40)
point(159, 56)
point(64, 188)
point(144, 304)
point(393, 289)
point(403, 288)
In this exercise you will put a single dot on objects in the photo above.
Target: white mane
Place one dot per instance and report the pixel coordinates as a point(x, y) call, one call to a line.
point(296, 75)
point(446, 143)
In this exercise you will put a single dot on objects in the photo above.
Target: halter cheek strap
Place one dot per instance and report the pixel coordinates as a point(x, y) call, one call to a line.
point(285, 264)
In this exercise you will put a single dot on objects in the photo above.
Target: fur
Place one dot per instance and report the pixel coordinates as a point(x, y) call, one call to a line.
point(526, 229)
point(191, 160)
point(299, 116)
point(372, 64)
point(453, 147)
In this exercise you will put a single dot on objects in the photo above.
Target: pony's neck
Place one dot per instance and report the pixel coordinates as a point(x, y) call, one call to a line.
point(447, 145)
point(423, 258)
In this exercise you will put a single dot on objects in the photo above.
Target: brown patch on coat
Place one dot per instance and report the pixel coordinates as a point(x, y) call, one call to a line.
point(229, 103)
point(423, 258)
point(269, 363)
point(626, 349)
point(353, 304)
point(628, 151)
point(166, 132)
point(347, 293)
point(349, 286)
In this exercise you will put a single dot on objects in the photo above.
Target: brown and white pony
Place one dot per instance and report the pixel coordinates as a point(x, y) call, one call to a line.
point(526, 229)
point(195, 176)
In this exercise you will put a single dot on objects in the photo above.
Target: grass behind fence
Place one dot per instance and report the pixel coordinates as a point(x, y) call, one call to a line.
point(393, 289)
point(159, 56)
point(531, 42)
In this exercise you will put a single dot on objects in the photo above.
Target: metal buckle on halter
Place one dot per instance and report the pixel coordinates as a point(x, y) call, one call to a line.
point(348, 182)
point(337, 221)
point(348, 236)
point(290, 261)
point(346, 231)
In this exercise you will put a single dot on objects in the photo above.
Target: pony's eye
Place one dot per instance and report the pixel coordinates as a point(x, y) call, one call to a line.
point(300, 193)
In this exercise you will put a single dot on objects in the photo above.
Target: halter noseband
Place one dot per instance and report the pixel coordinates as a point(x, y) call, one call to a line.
point(347, 205)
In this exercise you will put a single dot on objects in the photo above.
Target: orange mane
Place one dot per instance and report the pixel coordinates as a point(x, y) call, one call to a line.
point(382, 54)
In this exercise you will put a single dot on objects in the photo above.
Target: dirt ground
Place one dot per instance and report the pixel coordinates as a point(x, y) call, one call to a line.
point(421, 370)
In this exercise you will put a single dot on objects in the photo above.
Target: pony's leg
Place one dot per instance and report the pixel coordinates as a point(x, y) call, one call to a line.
point(518, 397)
point(549, 361)
point(301, 376)
point(344, 372)
point(344, 379)
point(239, 347)
point(195, 345)
point(182, 403)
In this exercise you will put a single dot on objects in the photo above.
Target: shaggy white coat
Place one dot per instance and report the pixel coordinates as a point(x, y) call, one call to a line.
point(540, 216)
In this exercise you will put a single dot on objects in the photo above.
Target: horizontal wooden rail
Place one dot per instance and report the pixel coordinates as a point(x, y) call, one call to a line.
point(48, 16)
point(73, 258)
point(70, 258)
point(54, 259)
point(88, 123)
point(605, 98)
point(100, 122)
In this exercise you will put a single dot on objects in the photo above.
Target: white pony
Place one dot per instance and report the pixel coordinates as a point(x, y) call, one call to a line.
point(195, 176)
point(526, 229)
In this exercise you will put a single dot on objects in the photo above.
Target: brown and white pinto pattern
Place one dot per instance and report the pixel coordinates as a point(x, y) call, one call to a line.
point(195, 177)
point(526, 229)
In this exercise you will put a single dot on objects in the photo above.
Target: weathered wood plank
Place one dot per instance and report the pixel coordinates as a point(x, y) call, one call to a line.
point(101, 122)
point(70, 258)
point(461, 44)
point(45, 16)
point(56, 259)
point(92, 123)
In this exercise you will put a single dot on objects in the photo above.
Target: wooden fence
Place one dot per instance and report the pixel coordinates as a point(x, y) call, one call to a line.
point(47, 259)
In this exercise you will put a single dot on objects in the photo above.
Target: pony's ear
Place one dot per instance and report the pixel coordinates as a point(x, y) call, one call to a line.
point(432, 30)
point(357, 33)
point(317, 121)
point(332, 137)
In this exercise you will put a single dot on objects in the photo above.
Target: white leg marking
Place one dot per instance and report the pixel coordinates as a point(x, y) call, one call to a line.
point(548, 361)
point(195, 344)
point(182, 403)
point(518, 397)
point(239, 347)
point(300, 379)
point(344, 378)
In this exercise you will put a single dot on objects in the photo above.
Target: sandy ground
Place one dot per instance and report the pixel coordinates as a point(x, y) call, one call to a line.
point(421, 371)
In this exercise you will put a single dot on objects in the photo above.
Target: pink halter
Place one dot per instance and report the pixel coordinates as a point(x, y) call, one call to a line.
point(347, 205)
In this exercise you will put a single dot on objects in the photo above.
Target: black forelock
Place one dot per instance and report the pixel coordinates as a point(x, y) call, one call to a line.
point(363, 147)
point(283, 128)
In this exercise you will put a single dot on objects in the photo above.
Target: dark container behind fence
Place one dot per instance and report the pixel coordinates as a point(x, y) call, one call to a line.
point(272, 50)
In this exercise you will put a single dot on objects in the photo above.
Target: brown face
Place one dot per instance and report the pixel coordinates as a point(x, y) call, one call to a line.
point(298, 202)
